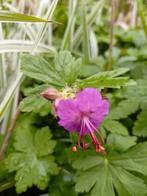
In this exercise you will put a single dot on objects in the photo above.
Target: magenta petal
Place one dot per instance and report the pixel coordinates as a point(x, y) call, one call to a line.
point(69, 114)
point(71, 126)
point(88, 99)
point(98, 116)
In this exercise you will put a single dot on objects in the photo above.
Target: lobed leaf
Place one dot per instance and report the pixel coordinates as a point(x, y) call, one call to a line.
point(36, 104)
point(67, 66)
point(140, 126)
point(37, 89)
point(124, 109)
point(112, 171)
point(114, 126)
point(120, 143)
point(103, 81)
point(31, 159)
point(63, 73)
point(38, 68)
point(42, 145)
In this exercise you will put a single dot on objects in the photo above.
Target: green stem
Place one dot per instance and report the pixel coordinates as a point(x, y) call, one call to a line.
point(8, 135)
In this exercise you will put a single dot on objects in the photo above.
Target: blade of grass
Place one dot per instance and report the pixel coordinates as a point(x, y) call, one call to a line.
point(25, 26)
point(90, 19)
point(3, 80)
point(110, 59)
point(133, 14)
point(141, 14)
point(12, 89)
point(85, 33)
point(23, 46)
point(93, 44)
point(10, 94)
point(2, 64)
point(71, 19)
point(7, 16)
point(43, 28)
point(50, 29)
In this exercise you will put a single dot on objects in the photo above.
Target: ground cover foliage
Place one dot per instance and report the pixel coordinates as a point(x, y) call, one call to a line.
point(83, 52)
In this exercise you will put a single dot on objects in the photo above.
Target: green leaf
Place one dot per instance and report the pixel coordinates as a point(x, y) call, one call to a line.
point(112, 171)
point(37, 89)
point(99, 180)
point(65, 71)
point(24, 122)
point(64, 182)
point(36, 104)
point(38, 68)
point(42, 144)
point(115, 127)
point(124, 109)
point(137, 37)
point(116, 72)
point(120, 143)
point(140, 126)
point(102, 81)
point(3, 171)
point(107, 79)
point(104, 186)
point(135, 159)
point(67, 66)
point(138, 91)
point(91, 161)
point(127, 181)
point(31, 160)
point(8, 16)
point(36, 173)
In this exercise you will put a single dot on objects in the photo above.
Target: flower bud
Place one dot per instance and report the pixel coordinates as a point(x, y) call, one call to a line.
point(50, 94)
point(74, 149)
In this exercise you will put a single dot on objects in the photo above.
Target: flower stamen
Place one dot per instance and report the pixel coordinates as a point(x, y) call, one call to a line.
point(95, 141)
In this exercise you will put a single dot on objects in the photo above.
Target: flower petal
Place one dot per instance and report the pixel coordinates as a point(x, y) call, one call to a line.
point(88, 99)
point(69, 114)
point(98, 116)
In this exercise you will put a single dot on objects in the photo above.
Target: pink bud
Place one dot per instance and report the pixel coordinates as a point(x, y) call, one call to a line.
point(50, 93)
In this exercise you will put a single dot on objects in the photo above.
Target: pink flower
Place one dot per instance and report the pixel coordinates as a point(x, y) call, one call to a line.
point(83, 114)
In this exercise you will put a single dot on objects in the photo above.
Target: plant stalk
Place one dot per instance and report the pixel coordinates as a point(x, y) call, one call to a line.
point(8, 134)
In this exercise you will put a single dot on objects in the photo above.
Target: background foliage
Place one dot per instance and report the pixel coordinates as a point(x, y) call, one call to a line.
point(100, 44)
